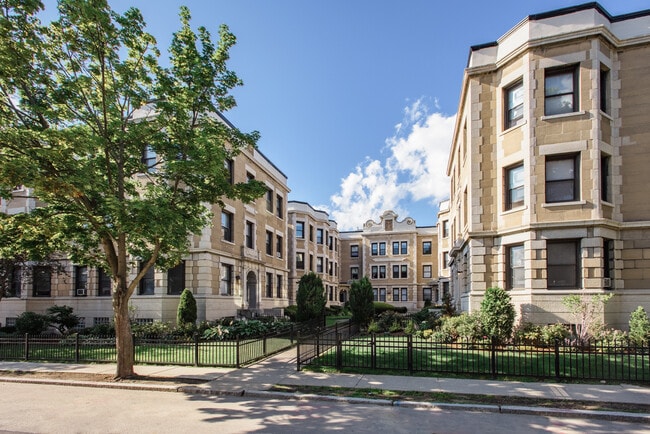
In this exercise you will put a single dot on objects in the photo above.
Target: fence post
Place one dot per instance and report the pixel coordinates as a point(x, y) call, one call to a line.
point(196, 349)
point(134, 346)
point(26, 346)
point(297, 350)
point(373, 351)
point(339, 352)
point(264, 344)
point(409, 352)
point(291, 334)
point(76, 348)
point(317, 342)
point(557, 359)
point(237, 354)
point(493, 357)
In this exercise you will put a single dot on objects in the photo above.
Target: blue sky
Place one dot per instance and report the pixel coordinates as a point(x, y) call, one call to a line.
point(354, 99)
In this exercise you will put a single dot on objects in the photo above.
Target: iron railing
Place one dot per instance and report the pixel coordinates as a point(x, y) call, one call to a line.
point(562, 360)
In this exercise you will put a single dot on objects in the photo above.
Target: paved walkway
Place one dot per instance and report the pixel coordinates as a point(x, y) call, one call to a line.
point(257, 379)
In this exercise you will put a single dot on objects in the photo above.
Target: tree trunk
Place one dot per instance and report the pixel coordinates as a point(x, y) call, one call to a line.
point(123, 336)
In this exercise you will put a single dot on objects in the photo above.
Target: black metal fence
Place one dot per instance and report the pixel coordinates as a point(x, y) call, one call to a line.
point(319, 341)
point(166, 350)
point(566, 360)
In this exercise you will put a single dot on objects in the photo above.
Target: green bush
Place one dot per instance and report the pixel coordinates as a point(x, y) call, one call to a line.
point(552, 332)
point(32, 323)
point(100, 330)
point(310, 298)
point(186, 312)
point(426, 318)
point(62, 318)
point(411, 328)
point(463, 326)
point(292, 312)
point(360, 302)
point(497, 314)
point(381, 307)
point(639, 326)
point(373, 327)
point(156, 329)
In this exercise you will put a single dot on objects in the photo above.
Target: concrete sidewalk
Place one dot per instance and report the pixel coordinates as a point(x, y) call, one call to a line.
point(257, 379)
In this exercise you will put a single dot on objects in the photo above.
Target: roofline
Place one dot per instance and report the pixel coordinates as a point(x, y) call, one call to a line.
point(231, 125)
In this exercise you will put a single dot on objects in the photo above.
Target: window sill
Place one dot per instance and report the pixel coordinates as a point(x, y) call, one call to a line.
point(561, 204)
point(519, 125)
point(563, 115)
point(606, 115)
point(514, 210)
point(609, 204)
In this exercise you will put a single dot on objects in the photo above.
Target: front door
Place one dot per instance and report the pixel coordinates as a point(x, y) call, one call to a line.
point(251, 290)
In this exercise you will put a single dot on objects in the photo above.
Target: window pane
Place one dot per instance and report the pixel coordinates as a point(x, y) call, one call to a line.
point(558, 104)
point(561, 191)
point(557, 170)
point(558, 84)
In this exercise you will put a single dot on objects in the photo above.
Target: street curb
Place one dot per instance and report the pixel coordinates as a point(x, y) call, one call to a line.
point(505, 409)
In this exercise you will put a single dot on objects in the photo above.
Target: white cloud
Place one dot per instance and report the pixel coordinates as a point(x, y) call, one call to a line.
point(414, 171)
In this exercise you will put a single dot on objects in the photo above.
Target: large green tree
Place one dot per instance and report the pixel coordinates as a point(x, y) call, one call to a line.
point(310, 298)
point(82, 100)
point(361, 301)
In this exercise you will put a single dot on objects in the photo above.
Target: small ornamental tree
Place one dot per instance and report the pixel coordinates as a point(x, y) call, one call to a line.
point(361, 301)
point(62, 318)
point(31, 323)
point(497, 314)
point(186, 313)
point(587, 313)
point(639, 326)
point(310, 298)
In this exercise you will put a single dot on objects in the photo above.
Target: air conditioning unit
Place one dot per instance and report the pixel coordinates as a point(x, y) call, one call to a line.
point(607, 282)
point(81, 293)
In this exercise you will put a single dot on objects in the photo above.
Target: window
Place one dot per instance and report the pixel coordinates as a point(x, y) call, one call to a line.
point(562, 259)
point(300, 260)
point(250, 235)
point(228, 168)
point(382, 294)
point(404, 245)
point(331, 242)
point(319, 264)
point(278, 246)
point(311, 262)
point(382, 271)
point(395, 294)
point(404, 294)
point(42, 282)
point(426, 247)
point(226, 279)
point(354, 251)
point(605, 178)
point(395, 271)
point(445, 228)
point(426, 271)
point(269, 200)
point(319, 236)
point(515, 266)
point(16, 280)
point(176, 279)
point(395, 247)
point(515, 186)
point(561, 91)
point(149, 159)
point(300, 229)
point(269, 285)
point(374, 249)
point(382, 249)
point(374, 294)
point(269, 243)
point(226, 226)
point(278, 285)
point(427, 294)
point(80, 280)
point(514, 96)
point(249, 177)
point(562, 179)
point(374, 272)
point(605, 90)
point(354, 273)
point(404, 271)
point(147, 283)
point(608, 262)
point(103, 283)
point(101, 320)
point(279, 206)
point(445, 259)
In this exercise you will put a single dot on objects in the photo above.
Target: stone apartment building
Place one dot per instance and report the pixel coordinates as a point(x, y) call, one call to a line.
point(237, 264)
point(313, 247)
point(398, 257)
point(549, 166)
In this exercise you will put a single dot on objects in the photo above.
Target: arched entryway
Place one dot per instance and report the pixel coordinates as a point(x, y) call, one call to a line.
point(251, 290)
point(343, 296)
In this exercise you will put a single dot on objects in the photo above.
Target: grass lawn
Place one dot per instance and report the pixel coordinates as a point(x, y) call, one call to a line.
point(331, 320)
